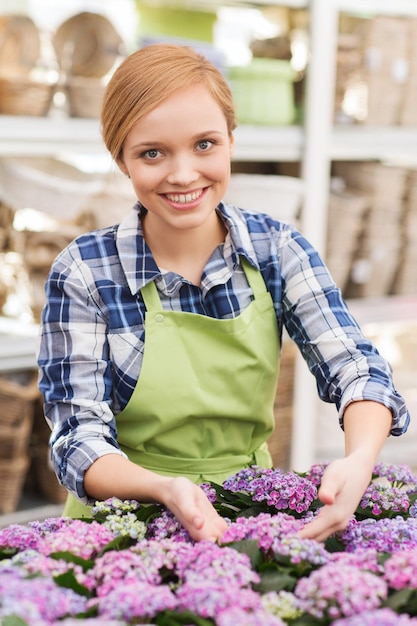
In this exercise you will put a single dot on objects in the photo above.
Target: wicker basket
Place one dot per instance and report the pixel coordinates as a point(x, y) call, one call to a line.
point(20, 95)
point(44, 479)
point(85, 96)
point(280, 441)
point(12, 477)
point(16, 417)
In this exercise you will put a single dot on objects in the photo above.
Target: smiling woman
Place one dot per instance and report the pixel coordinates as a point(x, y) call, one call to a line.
point(161, 336)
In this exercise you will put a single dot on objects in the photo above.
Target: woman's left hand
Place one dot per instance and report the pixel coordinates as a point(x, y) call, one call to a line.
point(343, 484)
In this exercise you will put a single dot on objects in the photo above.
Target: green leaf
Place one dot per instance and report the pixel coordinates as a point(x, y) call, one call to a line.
point(332, 544)
point(69, 557)
point(13, 620)
point(7, 553)
point(148, 512)
point(309, 620)
point(69, 581)
point(403, 601)
point(118, 543)
point(249, 547)
point(173, 618)
point(275, 580)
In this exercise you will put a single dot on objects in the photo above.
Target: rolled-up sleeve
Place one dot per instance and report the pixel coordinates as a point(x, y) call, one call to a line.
point(346, 365)
point(75, 374)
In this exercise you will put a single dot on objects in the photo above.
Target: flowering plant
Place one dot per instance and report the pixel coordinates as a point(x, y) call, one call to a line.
point(135, 564)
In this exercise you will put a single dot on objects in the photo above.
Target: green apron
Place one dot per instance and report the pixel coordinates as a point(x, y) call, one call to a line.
point(203, 404)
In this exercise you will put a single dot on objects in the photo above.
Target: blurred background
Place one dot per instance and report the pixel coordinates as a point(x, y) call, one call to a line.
point(327, 137)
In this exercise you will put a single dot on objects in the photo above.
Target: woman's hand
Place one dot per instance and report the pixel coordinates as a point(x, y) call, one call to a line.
point(191, 507)
point(343, 484)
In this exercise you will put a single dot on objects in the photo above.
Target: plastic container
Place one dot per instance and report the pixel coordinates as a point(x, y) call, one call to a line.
point(159, 18)
point(263, 92)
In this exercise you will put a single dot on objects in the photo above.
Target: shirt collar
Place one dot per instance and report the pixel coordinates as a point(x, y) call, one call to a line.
point(136, 257)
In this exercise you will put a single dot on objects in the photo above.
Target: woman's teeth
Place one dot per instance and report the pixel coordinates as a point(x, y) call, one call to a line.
point(183, 198)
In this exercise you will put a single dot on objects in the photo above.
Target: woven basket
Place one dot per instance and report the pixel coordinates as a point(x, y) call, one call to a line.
point(16, 417)
point(44, 479)
point(20, 95)
point(85, 96)
point(12, 477)
point(279, 443)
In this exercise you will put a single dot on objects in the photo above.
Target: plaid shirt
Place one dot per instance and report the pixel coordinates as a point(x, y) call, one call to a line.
point(92, 333)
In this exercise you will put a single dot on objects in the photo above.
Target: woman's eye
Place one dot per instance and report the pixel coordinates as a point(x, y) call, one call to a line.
point(151, 154)
point(204, 144)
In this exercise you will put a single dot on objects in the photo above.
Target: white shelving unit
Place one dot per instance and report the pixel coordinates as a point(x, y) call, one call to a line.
point(325, 143)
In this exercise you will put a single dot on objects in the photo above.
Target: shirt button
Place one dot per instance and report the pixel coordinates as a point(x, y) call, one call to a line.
point(159, 317)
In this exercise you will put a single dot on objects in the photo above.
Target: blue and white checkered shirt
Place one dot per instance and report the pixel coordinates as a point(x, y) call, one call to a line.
point(92, 332)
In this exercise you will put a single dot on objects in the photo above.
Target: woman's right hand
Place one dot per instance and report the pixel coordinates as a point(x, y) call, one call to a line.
point(192, 508)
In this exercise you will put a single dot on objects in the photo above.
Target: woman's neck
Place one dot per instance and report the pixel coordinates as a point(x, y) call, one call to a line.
point(185, 252)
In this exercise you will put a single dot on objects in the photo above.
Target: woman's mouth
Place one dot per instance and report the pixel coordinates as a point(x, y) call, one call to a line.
point(188, 200)
point(184, 198)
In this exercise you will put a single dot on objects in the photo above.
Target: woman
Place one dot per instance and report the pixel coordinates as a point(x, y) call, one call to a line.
point(161, 335)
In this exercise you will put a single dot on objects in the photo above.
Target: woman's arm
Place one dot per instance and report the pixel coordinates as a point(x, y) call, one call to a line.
point(367, 425)
point(113, 475)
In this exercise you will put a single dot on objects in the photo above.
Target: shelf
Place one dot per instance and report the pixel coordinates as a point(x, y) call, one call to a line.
point(406, 8)
point(41, 136)
point(208, 4)
point(363, 143)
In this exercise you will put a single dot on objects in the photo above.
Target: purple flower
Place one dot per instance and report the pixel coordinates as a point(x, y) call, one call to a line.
point(300, 551)
point(401, 570)
point(32, 562)
point(264, 528)
point(279, 490)
point(398, 475)
point(235, 616)
point(221, 565)
point(383, 499)
point(84, 539)
point(209, 599)
point(37, 599)
point(335, 591)
point(362, 558)
point(134, 599)
point(315, 473)
point(383, 535)
point(167, 526)
point(378, 617)
point(19, 536)
point(50, 525)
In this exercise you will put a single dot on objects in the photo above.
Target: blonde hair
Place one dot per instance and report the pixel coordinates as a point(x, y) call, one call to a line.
point(149, 76)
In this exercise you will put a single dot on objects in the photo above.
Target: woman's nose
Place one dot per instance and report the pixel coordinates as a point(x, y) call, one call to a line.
point(183, 170)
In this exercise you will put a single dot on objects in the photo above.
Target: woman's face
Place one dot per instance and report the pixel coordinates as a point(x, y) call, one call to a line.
point(178, 158)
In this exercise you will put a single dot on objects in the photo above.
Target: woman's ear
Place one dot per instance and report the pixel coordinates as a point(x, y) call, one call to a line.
point(122, 166)
point(231, 144)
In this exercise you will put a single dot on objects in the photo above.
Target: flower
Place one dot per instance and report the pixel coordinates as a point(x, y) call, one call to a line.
point(264, 528)
point(235, 616)
point(19, 536)
point(384, 535)
point(335, 591)
point(134, 599)
point(400, 570)
point(378, 617)
point(363, 558)
point(209, 599)
point(384, 499)
point(84, 539)
point(283, 604)
point(279, 490)
point(220, 565)
point(37, 598)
